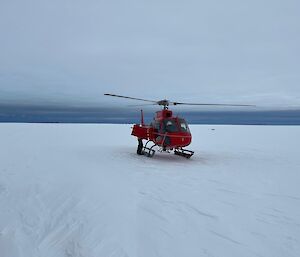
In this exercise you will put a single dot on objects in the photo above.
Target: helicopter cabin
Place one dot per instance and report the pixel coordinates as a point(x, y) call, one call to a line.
point(172, 131)
point(164, 130)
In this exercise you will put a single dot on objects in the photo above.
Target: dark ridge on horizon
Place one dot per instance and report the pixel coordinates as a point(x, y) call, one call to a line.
point(117, 115)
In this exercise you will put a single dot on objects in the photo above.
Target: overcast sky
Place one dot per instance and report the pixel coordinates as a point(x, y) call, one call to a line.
point(72, 51)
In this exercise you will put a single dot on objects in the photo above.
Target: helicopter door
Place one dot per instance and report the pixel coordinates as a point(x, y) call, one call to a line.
point(168, 126)
point(156, 130)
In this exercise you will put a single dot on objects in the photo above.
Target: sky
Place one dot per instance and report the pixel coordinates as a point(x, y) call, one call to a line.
point(71, 52)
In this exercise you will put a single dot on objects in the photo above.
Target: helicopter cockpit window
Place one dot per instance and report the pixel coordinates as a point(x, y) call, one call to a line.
point(170, 126)
point(183, 126)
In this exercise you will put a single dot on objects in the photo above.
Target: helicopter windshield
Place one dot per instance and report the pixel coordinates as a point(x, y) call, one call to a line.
point(170, 126)
point(183, 125)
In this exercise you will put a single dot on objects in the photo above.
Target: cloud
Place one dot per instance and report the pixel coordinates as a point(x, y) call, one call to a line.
point(74, 51)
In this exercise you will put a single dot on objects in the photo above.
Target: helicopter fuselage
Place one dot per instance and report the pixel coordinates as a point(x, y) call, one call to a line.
point(166, 131)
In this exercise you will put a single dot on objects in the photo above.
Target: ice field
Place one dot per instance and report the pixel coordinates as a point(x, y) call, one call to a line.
point(81, 191)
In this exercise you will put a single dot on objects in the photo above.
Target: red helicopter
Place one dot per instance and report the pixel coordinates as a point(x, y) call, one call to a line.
point(166, 131)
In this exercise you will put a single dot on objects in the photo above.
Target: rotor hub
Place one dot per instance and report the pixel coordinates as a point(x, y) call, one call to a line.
point(165, 103)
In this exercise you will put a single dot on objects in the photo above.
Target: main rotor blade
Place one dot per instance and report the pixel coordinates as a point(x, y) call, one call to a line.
point(179, 103)
point(132, 98)
point(140, 105)
point(166, 102)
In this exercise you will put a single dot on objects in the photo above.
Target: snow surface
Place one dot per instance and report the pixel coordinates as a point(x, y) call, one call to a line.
point(80, 190)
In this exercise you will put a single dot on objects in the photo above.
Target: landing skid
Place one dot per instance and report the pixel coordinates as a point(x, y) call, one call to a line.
point(184, 153)
point(145, 150)
point(149, 152)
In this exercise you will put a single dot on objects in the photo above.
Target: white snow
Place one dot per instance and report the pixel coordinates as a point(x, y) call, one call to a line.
point(80, 190)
